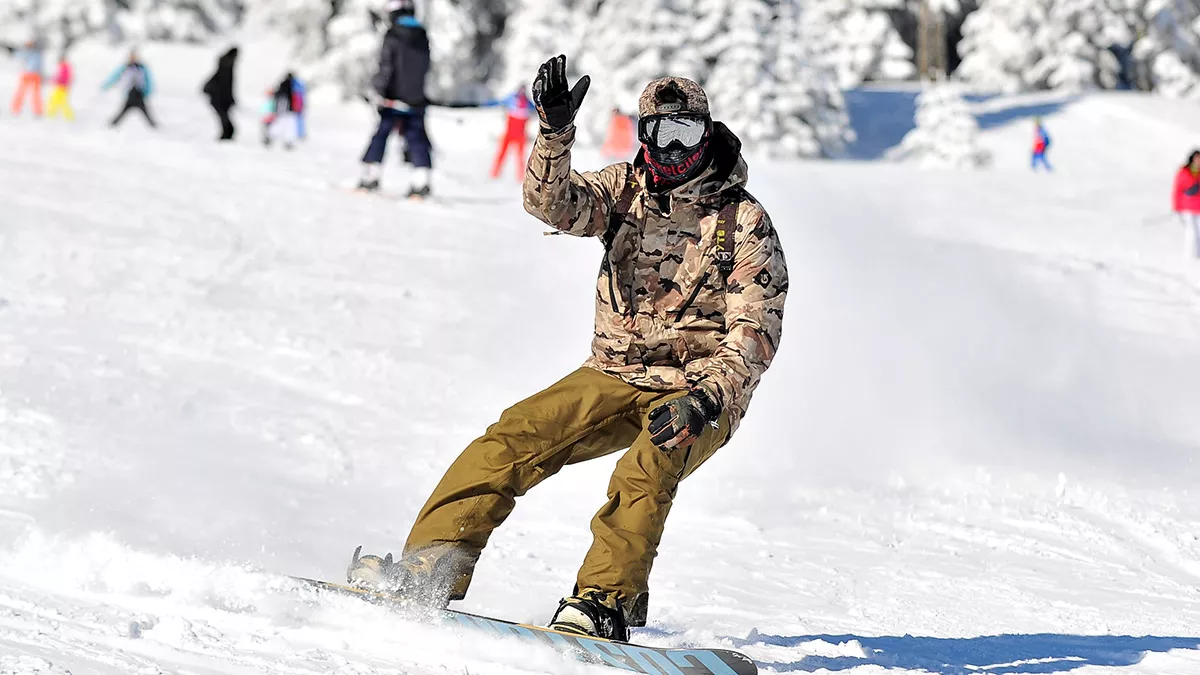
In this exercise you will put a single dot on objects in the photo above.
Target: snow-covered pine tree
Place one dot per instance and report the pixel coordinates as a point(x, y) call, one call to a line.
point(1168, 47)
point(1011, 45)
point(534, 32)
point(56, 23)
point(946, 133)
point(806, 107)
point(858, 40)
point(176, 20)
point(996, 48)
point(740, 84)
point(304, 23)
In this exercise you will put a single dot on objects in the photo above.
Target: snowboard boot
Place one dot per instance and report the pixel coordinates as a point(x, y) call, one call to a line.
point(419, 193)
point(368, 185)
point(587, 614)
point(431, 577)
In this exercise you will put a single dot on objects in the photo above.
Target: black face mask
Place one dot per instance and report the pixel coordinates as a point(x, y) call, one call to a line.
point(675, 164)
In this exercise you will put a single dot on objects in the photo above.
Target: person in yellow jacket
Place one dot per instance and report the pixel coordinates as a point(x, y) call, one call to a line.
point(60, 97)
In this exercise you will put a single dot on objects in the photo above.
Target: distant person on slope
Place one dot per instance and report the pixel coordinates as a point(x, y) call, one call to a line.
point(60, 96)
point(219, 90)
point(619, 141)
point(689, 313)
point(135, 77)
point(1186, 200)
point(287, 106)
point(519, 109)
point(399, 88)
point(30, 81)
point(1041, 143)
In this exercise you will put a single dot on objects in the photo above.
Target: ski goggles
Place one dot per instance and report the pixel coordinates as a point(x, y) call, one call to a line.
point(663, 130)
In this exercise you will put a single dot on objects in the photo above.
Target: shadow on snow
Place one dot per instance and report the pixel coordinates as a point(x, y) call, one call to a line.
point(993, 654)
point(881, 117)
point(989, 120)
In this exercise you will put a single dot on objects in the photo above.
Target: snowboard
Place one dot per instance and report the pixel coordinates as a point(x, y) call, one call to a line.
point(620, 655)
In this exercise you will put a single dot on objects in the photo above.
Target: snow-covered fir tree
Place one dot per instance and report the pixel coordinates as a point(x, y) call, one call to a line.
point(534, 32)
point(806, 106)
point(53, 23)
point(740, 83)
point(1167, 52)
point(946, 133)
point(304, 23)
point(1013, 45)
point(858, 40)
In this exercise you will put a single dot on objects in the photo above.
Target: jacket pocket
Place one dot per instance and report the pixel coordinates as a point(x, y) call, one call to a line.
point(692, 298)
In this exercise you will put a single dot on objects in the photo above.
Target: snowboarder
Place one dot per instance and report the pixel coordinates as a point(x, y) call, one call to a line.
point(286, 108)
point(1186, 199)
point(136, 78)
point(1041, 143)
point(60, 96)
point(519, 109)
point(689, 312)
point(30, 82)
point(399, 87)
point(219, 90)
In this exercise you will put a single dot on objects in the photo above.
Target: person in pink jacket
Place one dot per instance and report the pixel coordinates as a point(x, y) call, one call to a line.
point(60, 97)
point(1186, 199)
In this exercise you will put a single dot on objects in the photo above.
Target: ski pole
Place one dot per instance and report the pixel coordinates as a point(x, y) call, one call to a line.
point(1154, 220)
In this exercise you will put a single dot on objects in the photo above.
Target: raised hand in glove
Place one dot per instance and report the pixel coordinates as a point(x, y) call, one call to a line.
point(679, 422)
point(556, 104)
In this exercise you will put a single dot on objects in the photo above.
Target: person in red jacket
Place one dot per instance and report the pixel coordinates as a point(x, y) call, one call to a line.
point(1041, 143)
point(519, 110)
point(1186, 199)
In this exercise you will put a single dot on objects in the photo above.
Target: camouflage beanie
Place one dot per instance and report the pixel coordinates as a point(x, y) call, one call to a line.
point(673, 95)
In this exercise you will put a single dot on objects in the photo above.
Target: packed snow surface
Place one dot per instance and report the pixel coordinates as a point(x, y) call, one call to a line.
point(974, 454)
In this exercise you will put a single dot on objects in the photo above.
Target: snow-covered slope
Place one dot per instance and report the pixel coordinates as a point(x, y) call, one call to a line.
point(974, 454)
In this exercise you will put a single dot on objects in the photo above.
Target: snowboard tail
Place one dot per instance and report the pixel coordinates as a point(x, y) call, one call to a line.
point(621, 655)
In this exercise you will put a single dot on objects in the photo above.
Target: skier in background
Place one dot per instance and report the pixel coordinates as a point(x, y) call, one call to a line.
point(619, 142)
point(300, 93)
point(135, 77)
point(287, 106)
point(1185, 200)
point(30, 81)
point(219, 90)
point(689, 314)
point(519, 109)
point(399, 88)
point(60, 96)
point(1041, 143)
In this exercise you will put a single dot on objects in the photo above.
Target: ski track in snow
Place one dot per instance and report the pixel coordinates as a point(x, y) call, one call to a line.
point(975, 453)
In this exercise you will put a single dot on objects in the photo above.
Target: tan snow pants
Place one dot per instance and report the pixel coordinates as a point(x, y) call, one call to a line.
point(586, 415)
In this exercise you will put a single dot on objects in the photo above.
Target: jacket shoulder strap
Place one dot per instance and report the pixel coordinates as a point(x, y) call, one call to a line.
point(726, 225)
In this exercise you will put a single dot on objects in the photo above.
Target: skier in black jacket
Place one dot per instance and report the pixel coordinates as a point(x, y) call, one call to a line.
point(400, 89)
point(219, 89)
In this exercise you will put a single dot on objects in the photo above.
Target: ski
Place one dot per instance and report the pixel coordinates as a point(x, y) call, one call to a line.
point(620, 655)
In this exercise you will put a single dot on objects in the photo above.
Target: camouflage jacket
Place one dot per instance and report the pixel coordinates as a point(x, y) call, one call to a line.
point(666, 317)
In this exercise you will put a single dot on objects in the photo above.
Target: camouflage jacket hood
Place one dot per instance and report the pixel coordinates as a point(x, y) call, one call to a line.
point(666, 317)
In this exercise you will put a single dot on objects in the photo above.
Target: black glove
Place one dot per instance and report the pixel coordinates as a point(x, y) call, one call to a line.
point(679, 422)
point(557, 105)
